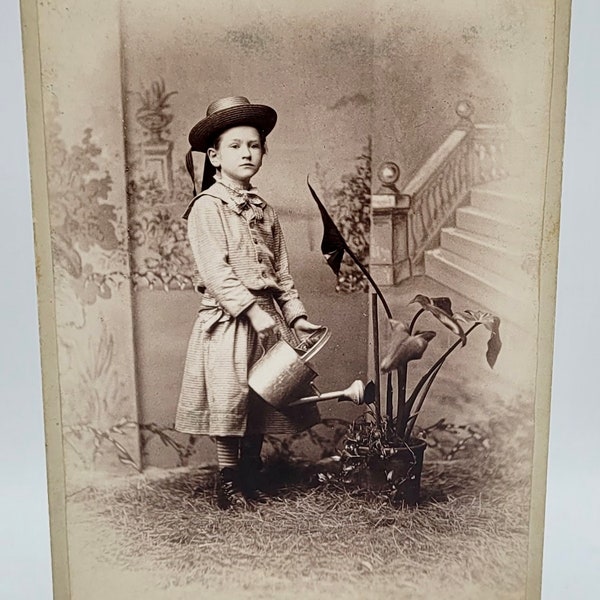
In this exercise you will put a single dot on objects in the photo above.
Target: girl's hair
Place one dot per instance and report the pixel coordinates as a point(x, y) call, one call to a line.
point(208, 174)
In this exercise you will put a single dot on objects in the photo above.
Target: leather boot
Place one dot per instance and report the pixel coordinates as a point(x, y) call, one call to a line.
point(229, 490)
point(251, 468)
point(252, 479)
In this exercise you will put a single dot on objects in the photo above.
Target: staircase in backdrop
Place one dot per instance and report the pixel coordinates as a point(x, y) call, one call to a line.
point(464, 220)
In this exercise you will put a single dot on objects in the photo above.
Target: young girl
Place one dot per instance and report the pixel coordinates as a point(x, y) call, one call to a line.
point(249, 298)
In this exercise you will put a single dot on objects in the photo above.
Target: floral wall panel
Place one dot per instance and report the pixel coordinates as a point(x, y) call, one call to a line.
point(88, 212)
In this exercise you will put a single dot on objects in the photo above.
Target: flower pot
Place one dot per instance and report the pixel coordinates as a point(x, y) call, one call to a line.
point(398, 472)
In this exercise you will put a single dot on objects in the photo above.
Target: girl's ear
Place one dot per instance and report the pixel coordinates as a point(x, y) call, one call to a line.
point(213, 156)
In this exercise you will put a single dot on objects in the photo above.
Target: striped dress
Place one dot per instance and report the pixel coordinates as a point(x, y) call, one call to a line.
point(241, 259)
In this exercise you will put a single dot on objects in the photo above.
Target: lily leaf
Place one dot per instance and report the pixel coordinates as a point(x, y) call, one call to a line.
point(441, 309)
point(333, 244)
point(492, 324)
point(404, 347)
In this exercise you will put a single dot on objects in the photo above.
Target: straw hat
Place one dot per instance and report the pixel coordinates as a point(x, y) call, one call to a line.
point(231, 112)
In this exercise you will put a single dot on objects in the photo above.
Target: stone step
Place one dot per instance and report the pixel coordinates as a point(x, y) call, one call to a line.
point(491, 225)
point(496, 293)
point(489, 254)
point(507, 205)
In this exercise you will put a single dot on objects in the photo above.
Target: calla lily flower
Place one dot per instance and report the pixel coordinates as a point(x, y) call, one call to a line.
point(404, 347)
point(441, 309)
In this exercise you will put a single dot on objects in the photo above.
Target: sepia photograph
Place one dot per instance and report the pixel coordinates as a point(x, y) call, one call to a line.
point(296, 280)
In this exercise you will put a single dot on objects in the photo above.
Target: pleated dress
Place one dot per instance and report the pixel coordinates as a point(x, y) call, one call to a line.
point(241, 259)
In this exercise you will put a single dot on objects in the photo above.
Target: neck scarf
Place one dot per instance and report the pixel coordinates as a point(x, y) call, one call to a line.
point(244, 199)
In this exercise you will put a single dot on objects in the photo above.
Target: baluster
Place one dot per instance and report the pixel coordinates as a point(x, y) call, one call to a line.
point(445, 187)
point(440, 193)
point(482, 162)
point(429, 212)
point(463, 171)
point(468, 175)
point(432, 206)
point(432, 199)
point(418, 207)
point(451, 177)
point(422, 232)
point(458, 170)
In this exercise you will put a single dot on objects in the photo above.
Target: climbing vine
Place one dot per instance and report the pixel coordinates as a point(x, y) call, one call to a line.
point(350, 208)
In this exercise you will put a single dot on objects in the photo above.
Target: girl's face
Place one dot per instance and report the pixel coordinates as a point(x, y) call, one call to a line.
point(238, 154)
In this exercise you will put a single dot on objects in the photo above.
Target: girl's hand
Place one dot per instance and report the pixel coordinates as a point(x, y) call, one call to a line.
point(262, 322)
point(304, 328)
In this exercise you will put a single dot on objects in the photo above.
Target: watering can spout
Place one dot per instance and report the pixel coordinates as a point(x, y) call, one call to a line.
point(356, 392)
point(284, 372)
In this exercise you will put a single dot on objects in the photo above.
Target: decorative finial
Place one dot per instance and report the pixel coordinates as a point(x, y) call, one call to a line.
point(465, 109)
point(388, 173)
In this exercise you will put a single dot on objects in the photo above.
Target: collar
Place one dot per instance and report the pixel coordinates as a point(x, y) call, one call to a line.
point(234, 193)
point(234, 186)
point(236, 200)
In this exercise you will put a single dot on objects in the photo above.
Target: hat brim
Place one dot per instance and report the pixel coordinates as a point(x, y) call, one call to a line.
point(255, 115)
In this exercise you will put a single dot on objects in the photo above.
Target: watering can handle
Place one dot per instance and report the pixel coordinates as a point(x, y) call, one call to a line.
point(314, 349)
point(277, 334)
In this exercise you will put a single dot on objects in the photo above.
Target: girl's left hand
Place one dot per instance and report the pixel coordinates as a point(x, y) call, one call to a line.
point(304, 328)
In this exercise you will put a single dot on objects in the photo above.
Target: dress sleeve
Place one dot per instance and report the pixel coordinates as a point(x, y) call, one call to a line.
point(209, 246)
point(287, 298)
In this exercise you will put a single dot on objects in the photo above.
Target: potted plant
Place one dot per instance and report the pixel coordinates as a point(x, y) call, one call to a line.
point(152, 115)
point(379, 450)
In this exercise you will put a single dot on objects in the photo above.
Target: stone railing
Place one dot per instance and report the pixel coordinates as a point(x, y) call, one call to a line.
point(406, 223)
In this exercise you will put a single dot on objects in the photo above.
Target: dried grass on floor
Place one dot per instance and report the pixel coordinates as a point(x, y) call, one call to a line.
point(470, 530)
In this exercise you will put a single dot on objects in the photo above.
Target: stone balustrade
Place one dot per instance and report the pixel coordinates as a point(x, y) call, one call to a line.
point(405, 223)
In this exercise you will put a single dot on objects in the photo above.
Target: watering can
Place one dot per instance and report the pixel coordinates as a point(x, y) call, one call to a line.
point(284, 373)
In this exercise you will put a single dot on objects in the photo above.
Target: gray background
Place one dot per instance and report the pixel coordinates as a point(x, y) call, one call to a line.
point(572, 549)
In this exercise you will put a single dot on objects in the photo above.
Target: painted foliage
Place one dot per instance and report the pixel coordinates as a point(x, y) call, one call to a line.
point(89, 241)
point(157, 194)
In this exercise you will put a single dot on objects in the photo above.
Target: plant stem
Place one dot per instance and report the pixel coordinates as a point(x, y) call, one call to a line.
point(413, 419)
point(414, 320)
point(402, 374)
point(366, 273)
point(375, 325)
point(389, 406)
point(434, 368)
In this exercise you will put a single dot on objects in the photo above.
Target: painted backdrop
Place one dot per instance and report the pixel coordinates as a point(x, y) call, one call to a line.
point(354, 83)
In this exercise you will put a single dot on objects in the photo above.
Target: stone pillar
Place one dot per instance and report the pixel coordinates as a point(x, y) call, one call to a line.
point(158, 160)
point(389, 251)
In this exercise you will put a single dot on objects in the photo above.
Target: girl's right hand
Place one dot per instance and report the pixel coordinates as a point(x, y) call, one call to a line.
point(262, 322)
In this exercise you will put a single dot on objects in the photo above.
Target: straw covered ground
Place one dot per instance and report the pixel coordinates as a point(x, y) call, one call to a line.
point(153, 537)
